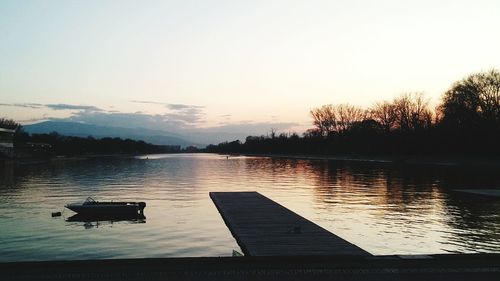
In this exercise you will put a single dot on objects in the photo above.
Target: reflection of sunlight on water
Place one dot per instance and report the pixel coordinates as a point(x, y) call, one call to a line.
point(379, 207)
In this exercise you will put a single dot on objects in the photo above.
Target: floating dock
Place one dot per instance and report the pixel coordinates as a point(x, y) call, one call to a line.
point(263, 227)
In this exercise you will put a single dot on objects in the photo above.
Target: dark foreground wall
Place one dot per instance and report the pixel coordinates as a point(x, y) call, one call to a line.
point(438, 267)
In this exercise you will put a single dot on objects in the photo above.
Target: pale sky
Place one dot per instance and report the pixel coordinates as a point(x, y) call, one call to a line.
point(233, 63)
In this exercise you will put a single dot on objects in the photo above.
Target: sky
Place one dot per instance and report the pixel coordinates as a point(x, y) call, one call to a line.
point(221, 66)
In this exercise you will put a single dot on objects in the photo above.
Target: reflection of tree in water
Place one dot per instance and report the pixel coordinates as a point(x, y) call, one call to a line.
point(423, 194)
point(277, 167)
point(376, 183)
point(478, 216)
point(14, 175)
point(6, 174)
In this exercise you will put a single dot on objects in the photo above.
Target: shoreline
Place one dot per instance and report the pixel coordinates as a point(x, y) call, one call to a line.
point(400, 160)
point(443, 161)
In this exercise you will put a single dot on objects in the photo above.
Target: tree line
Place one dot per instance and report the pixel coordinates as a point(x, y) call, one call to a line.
point(466, 122)
point(54, 144)
point(10, 124)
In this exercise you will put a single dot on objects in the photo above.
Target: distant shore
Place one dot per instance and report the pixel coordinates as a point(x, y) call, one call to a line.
point(404, 160)
point(390, 159)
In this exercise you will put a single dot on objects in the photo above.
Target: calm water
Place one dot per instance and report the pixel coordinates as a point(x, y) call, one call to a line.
point(383, 208)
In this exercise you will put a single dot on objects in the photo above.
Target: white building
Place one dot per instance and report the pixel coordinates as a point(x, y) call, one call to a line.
point(7, 142)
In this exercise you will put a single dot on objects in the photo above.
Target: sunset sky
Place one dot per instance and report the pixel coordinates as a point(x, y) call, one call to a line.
point(232, 65)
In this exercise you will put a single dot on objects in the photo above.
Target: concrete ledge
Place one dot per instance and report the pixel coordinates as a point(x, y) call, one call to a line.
point(437, 267)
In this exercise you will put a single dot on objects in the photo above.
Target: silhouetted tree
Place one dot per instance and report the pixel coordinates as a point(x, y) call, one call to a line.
point(385, 114)
point(347, 115)
point(9, 124)
point(412, 112)
point(324, 119)
point(473, 100)
point(404, 126)
point(67, 145)
point(336, 118)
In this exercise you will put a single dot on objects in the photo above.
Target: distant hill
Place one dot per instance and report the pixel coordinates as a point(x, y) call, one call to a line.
point(84, 130)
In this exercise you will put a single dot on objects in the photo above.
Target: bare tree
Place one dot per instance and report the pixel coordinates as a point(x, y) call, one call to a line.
point(489, 94)
point(336, 118)
point(412, 112)
point(324, 119)
point(385, 114)
point(347, 115)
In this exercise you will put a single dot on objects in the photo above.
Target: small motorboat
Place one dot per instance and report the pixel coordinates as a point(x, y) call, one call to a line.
point(95, 208)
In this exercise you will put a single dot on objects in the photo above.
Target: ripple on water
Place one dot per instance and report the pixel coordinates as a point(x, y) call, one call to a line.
point(379, 207)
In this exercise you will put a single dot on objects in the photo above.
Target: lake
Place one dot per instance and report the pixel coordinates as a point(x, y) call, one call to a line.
point(384, 208)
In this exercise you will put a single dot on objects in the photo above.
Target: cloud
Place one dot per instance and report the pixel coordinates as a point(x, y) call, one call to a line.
point(177, 106)
point(62, 106)
point(171, 106)
point(187, 121)
point(24, 105)
point(59, 106)
point(188, 115)
point(176, 121)
point(147, 102)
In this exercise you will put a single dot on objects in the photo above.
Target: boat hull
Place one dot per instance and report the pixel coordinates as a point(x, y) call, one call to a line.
point(137, 218)
point(103, 208)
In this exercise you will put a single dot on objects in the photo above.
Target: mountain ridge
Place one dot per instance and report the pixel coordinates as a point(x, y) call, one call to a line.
point(83, 130)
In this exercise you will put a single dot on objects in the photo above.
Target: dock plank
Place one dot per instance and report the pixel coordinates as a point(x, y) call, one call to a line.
point(263, 227)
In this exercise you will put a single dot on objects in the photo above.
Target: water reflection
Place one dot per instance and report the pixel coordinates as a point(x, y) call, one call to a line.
point(6, 174)
point(477, 218)
point(113, 218)
point(410, 205)
point(94, 221)
point(382, 207)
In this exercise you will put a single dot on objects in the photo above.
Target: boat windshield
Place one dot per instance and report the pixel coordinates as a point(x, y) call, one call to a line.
point(89, 200)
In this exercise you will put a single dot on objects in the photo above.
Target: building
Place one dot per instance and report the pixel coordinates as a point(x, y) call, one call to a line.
point(7, 142)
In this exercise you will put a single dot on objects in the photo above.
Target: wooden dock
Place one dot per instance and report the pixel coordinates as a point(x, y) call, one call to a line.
point(263, 227)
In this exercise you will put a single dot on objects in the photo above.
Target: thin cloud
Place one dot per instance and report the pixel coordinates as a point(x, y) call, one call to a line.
point(24, 105)
point(171, 106)
point(147, 102)
point(62, 106)
point(170, 121)
point(185, 114)
point(177, 106)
